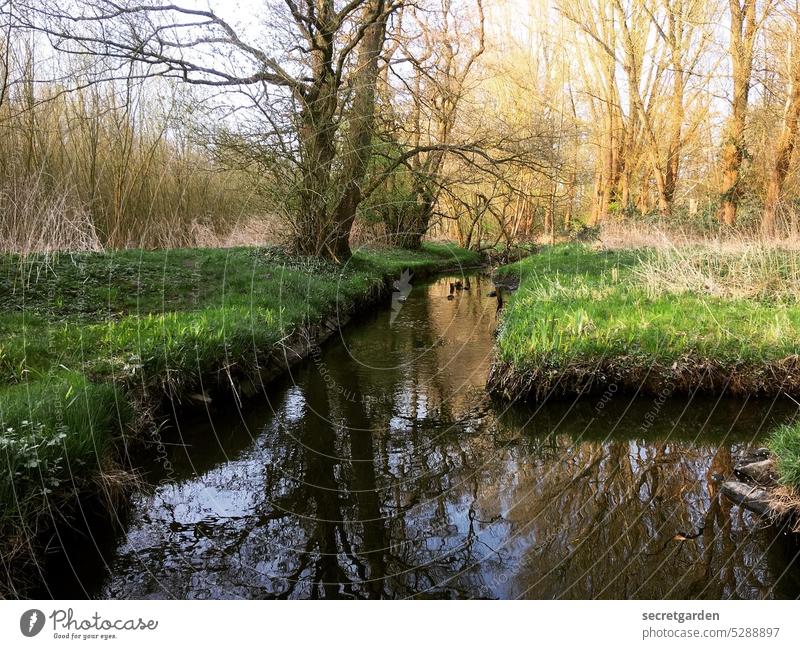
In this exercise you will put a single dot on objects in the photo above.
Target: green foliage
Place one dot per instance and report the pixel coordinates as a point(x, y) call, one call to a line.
point(78, 332)
point(54, 435)
point(785, 444)
point(578, 306)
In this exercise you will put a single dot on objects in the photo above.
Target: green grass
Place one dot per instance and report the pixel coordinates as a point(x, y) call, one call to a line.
point(146, 313)
point(583, 319)
point(580, 306)
point(54, 435)
point(82, 336)
point(784, 442)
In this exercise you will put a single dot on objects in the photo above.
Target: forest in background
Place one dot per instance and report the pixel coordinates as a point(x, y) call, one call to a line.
point(127, 124)
point(358, 134)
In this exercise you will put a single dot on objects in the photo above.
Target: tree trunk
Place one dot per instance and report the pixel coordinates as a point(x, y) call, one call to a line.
point(549, 227)
point(597, 193)
point(679, 19)
point(625, 191)
point(743, 30)
point(674, 147)
point(664, 205)
point(643, 203)
point(412, 225)
point(319, 152)
point(606, 177)
point(361, 129)
point(571, 190)
point(316, 133)
point(786, 142)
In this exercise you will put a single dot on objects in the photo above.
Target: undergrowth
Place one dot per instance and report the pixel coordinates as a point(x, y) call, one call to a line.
point(91, 341)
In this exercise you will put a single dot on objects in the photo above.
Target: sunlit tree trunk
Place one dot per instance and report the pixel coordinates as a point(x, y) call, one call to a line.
point(643, 203)
point(787, 140)
point(632, 64)
point(572, 187)
point(605, 187)
point(742, 34)
point(675, 20)
point(361, 126)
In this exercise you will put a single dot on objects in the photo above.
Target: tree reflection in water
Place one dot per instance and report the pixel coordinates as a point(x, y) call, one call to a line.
point(381, 470)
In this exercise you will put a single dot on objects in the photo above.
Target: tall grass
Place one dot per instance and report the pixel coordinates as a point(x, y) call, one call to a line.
point(108, 167)
point(744, 270)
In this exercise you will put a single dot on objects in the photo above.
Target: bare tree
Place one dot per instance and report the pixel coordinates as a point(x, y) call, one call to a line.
point(789, 130)
point(744, 24)
point(442, 55)
point(316, 97)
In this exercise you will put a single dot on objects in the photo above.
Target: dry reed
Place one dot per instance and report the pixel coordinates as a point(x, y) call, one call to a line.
point(90, 170)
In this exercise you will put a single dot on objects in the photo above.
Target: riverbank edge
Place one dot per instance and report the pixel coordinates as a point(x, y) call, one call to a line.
point(116, 478)
point(297, 347)
point(776, 502)
point(611, 376)
point(755, 486)
point(633, 375)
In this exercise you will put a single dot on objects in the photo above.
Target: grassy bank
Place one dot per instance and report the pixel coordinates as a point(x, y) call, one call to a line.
point(91, 344)
point(584, 319)
point(785, 445)
point(657, 322)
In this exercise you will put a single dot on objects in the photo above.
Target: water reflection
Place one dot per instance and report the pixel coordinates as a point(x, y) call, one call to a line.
point(381, 470)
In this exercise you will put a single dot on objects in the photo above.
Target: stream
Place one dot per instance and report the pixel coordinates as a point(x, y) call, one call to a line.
point(379, 468)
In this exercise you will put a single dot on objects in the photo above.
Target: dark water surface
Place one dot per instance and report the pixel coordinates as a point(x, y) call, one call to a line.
point(381, 469)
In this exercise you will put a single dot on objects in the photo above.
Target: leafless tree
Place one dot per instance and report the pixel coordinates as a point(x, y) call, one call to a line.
point(744, 24)
point(789, 130)
point(310, 73)
point(441, 53)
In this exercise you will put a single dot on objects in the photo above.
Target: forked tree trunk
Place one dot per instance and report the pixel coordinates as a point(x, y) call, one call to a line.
point(361, 126)
point(664, 205)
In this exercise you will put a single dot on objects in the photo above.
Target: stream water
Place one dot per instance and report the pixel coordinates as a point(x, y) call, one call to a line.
point(380, 468)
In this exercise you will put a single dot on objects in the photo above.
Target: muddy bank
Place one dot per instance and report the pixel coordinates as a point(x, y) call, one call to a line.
point(756, 488)
point(631, 375)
